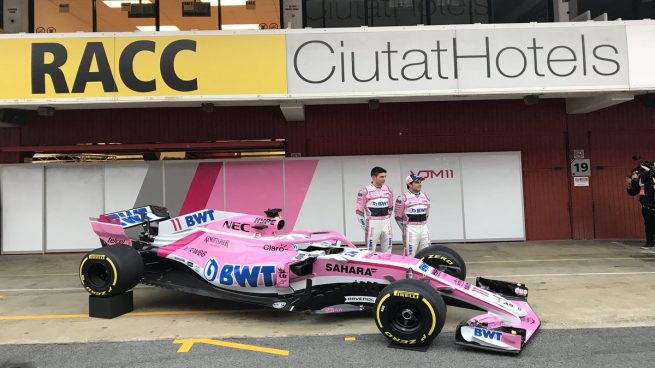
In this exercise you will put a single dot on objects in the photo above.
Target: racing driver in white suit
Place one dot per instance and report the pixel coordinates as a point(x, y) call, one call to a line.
point(374, 208)
point(411, 214)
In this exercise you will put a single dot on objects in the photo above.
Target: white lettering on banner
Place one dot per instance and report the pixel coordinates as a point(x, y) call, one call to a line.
point(457, 59)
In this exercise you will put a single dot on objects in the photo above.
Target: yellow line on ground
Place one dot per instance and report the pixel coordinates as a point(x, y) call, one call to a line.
point(43, 316)
point(131, 314)
point(39, 274)
point(186, 344)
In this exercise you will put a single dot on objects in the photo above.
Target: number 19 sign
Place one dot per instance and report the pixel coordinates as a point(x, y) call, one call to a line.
point(581, 167)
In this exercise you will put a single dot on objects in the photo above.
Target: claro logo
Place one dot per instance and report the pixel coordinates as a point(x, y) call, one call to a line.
point(436, 174)
point(441, 59)
point(48, 58)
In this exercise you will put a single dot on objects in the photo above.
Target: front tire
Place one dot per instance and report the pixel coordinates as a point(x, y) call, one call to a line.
point(410, 313)
point(444, 259)
point(111, 270)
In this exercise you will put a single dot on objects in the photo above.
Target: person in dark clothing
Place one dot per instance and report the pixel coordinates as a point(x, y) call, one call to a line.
point(641, 182)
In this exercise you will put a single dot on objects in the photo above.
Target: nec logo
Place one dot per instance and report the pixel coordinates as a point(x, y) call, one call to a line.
point(491, 335)
point(441, 174)
point(237, 226)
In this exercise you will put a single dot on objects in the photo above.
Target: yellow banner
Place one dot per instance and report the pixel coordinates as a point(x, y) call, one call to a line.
point(108, 67)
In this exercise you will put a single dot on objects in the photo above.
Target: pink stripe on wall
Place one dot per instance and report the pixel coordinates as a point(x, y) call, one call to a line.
point(217, 197)
point(202, 187)
point(298, 176)
point(253, 187)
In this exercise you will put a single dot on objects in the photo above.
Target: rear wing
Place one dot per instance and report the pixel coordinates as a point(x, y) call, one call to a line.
point(135, 216)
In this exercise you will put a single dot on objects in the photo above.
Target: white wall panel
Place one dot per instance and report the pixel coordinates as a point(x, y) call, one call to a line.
point(477, 196)
point(122, 185)
point(493, 196)
point(641, 55)
point(21, 202)
point(356, 175)
point(323, 205)
point(443, 187)
point(73, 194)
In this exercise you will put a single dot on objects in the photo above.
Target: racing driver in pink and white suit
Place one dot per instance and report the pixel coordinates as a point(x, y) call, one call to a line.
point(374, 208)
point(411, 213)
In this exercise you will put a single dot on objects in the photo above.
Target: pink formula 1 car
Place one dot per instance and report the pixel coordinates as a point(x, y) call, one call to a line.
point(250, 259)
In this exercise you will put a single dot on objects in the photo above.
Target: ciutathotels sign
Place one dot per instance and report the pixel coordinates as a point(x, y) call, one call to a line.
point(457, 60)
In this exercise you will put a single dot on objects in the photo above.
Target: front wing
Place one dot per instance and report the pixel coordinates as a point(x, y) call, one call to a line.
point(489, 332)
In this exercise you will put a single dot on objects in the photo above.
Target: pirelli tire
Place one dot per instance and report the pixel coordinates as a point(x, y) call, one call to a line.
point(111, 270)
point(410, 313)
point(441, 257)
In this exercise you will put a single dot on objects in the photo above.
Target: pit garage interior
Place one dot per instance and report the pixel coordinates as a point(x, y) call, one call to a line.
point(575, 243)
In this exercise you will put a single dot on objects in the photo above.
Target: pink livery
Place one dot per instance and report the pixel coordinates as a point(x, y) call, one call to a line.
point(412, 209)
point(249, 258)
point(376, 203)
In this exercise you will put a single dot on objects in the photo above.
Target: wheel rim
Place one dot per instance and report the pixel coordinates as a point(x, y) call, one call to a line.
point(405, 317)
point(98, 276)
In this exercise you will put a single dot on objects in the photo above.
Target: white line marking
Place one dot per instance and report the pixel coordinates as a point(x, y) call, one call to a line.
point(573, 274)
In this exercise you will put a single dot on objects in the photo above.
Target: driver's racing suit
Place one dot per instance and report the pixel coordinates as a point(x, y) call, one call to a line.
point(374, 207)
point(411, 213)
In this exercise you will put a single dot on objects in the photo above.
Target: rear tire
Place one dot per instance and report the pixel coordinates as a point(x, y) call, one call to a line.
point(445, 259)
point(410, 313)
point(111, 270)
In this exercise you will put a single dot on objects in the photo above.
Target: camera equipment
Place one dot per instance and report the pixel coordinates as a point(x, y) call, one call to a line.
point(643, 163)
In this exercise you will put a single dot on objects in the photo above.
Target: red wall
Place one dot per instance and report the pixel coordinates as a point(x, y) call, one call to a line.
point(611, 137)
point(165, 125)
point(9, 137)
point(544, 133)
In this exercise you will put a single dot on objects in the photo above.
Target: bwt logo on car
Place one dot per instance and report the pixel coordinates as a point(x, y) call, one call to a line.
point(199, 218)
point(131, 217)
point(243, 275)
point(432, 174)
point(491, 335)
